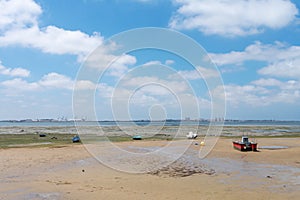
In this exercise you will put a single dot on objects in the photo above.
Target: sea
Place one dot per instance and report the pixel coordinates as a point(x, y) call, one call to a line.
point(229, 127)
point(147, 123)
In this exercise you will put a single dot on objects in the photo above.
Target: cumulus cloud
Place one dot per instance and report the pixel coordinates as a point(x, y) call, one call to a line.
point(199, 73)
point(85, 85)
point(284, 69)
point(247, 94)
point(282, 60)
point(280, 70)
point(176, 86)
point(20, 72)
point(19, 26)
point(49, 81)
point(142, 93)
point(52, 40)
point(233, 18)
point(19, 84)
point(18, 14)
point(259, 52)
point(283, 85)
point(55, 80)
point(120, 66)
point(263, 92)
point(268, 82)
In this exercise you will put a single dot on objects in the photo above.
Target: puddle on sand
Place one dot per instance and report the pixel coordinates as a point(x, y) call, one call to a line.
point(273, 147)
point(43, 196)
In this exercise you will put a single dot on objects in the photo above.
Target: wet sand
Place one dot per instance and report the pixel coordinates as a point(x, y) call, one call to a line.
point(70, 172)
point(181, 131)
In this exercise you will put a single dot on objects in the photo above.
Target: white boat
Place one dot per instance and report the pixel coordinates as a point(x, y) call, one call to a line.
point(191, 135)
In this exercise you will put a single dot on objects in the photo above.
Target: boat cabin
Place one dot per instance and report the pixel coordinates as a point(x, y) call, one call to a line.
point(245, 140)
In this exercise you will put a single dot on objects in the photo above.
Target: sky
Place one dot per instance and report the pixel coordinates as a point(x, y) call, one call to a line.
point(253, 44)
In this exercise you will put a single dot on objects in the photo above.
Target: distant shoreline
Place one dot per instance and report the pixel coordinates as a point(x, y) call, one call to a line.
point(146, 120)
point(144, 123)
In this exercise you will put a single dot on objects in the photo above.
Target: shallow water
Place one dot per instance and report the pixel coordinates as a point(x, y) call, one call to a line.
point(273, 147)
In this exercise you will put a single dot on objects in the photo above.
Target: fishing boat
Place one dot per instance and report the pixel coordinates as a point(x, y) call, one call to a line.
point(245, 144)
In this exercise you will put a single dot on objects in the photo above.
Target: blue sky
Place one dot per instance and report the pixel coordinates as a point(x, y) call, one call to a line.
point(254, 44)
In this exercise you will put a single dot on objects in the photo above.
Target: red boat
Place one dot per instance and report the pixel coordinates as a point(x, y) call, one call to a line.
point(245, 144)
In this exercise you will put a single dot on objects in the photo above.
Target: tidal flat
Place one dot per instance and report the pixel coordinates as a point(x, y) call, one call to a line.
point(17, 136)
point(70, 172)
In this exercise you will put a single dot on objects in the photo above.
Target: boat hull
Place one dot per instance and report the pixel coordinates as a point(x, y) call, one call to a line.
point(137, 137)
point(76, 139)
point(244, 147)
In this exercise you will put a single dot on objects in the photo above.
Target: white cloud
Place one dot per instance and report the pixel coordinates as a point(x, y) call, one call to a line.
point(248, 94)
point(157, 62)
point(259, 52)
point(263, 92)
point(106, 59)
point(18, 13)
point(282, 60)
point(19, 26)
point(49, 81)
point(55, 80)
point(154, 90)
point(142, 98)
point(285, 69)
point(52, 40)
point(147, 90)
point(19, 84)
point(233, 18)
point(175, 101)
point(267, 82)
point(290, 85)
point(20, 72)
point(85, 85)
point(138, 81)
point(120, 66)
point(105, 90)
point(152, 62)
point(169, 62)
point(199, 73)
point(176, 86)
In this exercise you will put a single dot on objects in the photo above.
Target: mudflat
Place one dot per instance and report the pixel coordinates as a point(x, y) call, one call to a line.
point(70, 172)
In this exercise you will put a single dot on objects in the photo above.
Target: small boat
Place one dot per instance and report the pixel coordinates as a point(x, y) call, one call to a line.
point(76, 139)
point(245, 144)
point(191, 135)
point(137, 137)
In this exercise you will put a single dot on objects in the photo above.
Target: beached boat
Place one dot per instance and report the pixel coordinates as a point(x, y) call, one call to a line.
point(245, 144)
point(191, 135)
point(137, 137)
point(76, 139)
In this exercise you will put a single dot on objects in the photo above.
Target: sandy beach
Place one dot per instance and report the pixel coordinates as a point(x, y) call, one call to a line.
point(71, 172)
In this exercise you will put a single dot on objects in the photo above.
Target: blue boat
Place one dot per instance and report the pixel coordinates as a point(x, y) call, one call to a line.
point(137, 137)
point(76, 139)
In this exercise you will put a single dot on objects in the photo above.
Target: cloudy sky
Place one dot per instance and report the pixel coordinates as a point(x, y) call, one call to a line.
point(255, 45)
